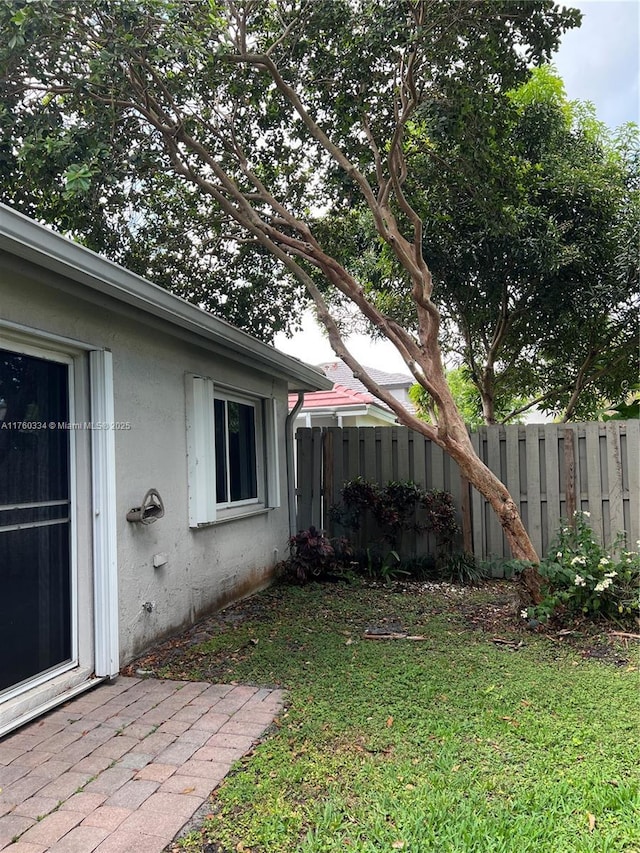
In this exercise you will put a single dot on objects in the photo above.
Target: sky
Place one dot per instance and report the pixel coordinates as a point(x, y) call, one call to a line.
point(599, 62)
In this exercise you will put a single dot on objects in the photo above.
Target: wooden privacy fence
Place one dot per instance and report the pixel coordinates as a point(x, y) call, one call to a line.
point(550, 469)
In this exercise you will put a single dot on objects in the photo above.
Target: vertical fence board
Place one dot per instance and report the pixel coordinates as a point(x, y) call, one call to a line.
point(477, 509)
point(419, 461)
point(383, 437)
point(496, 544)
point(465, 508)
point(569, 473)
point(328, 486)
point(451, 476)
point(594, 478)
point(533, 487)
point(513, 464)
point(581, 466)
point(317, 469)
point(338, 477)
point(368, 471)
point(552, 487)
point(633, 481)
point(304, 471)
point(402, 449)
point(453, 485)
point(437, 467)
point(351, 450)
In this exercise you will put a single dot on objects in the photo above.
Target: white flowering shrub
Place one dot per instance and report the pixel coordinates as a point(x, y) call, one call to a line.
point(584, 577)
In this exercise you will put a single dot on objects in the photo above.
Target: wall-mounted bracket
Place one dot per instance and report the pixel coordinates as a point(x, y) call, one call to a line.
point(151, 509)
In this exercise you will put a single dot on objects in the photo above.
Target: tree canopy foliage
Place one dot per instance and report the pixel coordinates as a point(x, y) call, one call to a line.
point(540, 290)
point(270, 115)
point(532, 242)
point(95, 172)
point(467, 397)
point(90, 167)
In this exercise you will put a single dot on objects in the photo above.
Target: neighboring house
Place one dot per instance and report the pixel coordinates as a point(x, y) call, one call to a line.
point(349, 403)
point(110, 387)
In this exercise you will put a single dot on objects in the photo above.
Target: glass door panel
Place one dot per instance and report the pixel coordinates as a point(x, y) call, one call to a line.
point(35, 564)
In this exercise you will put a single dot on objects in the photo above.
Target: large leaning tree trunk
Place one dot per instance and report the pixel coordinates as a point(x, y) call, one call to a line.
point(277, 112)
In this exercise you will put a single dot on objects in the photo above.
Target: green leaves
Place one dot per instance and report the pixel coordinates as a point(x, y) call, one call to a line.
point(188, 127)
point(585, 578)
point(528, 240)
point(77, 179)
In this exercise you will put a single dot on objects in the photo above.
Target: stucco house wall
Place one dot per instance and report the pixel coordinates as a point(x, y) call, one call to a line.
point(170, 572)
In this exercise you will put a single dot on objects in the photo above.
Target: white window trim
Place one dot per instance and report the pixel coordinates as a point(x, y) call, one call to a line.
point(203, 507)
point(271, 452)
point(200, 451)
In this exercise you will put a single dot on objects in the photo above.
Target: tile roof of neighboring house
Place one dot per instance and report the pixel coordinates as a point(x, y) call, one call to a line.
point(345, 402)
point(338, 396)
point(342, 375)
point(348, 391)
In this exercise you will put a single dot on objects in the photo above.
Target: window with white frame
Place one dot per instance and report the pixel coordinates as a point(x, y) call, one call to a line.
point(233, 452)
point(236, 451)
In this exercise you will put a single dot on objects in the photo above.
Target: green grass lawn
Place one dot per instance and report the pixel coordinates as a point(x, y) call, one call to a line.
point(449, 743)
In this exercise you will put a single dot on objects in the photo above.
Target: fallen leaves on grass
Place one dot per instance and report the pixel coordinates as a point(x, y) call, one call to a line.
point(367, 636)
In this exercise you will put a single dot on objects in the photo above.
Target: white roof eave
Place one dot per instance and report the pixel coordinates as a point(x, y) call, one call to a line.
point(39, 245)
point(350, 411)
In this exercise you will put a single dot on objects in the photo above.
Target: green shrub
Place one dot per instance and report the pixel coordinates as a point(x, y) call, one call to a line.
point(585, 578)
point(421, 568)
point(501, 567)
point(462, 568)
point(314, 556)
point(397, 507)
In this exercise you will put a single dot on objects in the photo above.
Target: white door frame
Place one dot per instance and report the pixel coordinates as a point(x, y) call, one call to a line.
point(105, 541)
point(58, 689)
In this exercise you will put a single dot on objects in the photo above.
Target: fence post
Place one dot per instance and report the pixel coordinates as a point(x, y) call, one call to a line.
point(569, 476)
point(615, 475)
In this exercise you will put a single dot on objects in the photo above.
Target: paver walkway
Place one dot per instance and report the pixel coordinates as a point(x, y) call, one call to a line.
point(122, 768)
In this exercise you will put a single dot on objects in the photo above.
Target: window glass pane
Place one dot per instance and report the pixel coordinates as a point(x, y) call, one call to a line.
point(33, 458)
point(220, 421)
point(242, 451)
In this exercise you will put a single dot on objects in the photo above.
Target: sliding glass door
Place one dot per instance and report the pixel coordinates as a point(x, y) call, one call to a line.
point(36, 579)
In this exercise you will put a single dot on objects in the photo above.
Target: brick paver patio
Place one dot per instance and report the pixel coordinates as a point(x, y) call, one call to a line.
point(124, 767)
